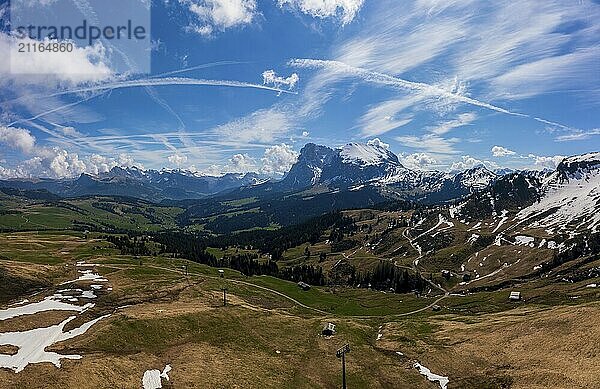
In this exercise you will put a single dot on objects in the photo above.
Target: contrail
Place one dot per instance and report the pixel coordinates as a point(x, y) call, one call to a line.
point(202, 66)
point(385, 79)
point(166, 82)
point(39, 115)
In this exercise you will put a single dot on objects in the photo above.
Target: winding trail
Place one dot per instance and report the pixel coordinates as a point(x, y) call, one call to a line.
point(281, 294)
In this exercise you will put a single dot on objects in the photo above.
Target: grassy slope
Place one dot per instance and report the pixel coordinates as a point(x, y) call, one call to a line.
point(179, 320)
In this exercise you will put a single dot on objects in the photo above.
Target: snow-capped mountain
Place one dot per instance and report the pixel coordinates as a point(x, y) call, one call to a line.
point(566, 200)
point(355, 165)
point(343, 167)
point(152, 185)
point(570, 197)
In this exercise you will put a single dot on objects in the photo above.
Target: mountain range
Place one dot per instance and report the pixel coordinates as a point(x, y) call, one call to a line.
point(350, 167)
point(355, 175)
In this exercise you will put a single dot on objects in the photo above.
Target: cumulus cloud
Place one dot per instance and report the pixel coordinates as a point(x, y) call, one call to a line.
point(53, 162)
point(177, 159)
point(271, 78)
point(546, 162)
point(278, 159)
point(219, 15)
point(418, 161)
point(468, 162)
point(241, 163)
point(65, 164)
point(17, 138)
point(82, 65)
point(345, 10)
point(378, 143)
point(499, 151)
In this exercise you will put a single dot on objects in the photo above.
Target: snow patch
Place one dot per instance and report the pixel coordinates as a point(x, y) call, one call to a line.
point(152, 379)
point(32, 344)
point(441, 380)
point(50, 303)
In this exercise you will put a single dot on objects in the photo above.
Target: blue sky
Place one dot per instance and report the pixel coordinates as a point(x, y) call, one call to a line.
point(242, 85)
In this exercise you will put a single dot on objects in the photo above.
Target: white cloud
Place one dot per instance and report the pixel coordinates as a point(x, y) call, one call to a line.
point(265, 125)
point(271, 78)
point(177, 159)
point(65, 164)
point(378, 143)
point(499, 151)
point(212, 170)
point(561, 72)
point(241, 163)
point(70, 131)
point(468, 162)
point(546, 162)
point(98, 164)
point(385, 116)
point(278, 159)
point(17, 138)
point(126, 160)
point(305, 134)
point(346, 10)
point(53, 162)
point(462, 120)
point(418, 161)
point(430, 143)
point(494, 46)
point(82, 65)
point(219, 15)
point(578, 135)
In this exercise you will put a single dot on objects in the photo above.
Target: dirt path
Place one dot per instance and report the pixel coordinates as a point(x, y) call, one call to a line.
point(289, 298)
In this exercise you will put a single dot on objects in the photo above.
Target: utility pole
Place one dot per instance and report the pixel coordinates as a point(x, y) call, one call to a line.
point(341, 353)
point(224, 296)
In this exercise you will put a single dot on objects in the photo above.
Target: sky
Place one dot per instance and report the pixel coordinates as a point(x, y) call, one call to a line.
point(243, 85)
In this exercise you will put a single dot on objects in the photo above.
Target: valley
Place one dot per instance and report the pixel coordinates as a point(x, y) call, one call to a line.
point(109, 291)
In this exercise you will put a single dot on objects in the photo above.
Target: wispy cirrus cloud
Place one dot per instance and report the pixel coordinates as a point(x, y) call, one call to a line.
point(430, 143)
point(386, 116)
point(576, 135)
point(462, 120)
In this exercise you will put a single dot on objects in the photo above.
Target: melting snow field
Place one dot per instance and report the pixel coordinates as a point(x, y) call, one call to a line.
point(32, 344)
point(50, 303)
point(153, 378)
point(87, 275)
point(441, 380)
point(572, 202)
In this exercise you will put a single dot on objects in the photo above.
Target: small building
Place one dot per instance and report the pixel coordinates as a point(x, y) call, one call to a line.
point(221, 273)
point(515, 296)
point(446, 274)
point(436, 308)
point(303, 285)
point(329, 329)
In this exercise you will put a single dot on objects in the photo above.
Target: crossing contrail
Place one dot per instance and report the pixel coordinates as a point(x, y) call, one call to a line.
point(167, 81)
point(385, 79)
point(146, 82)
